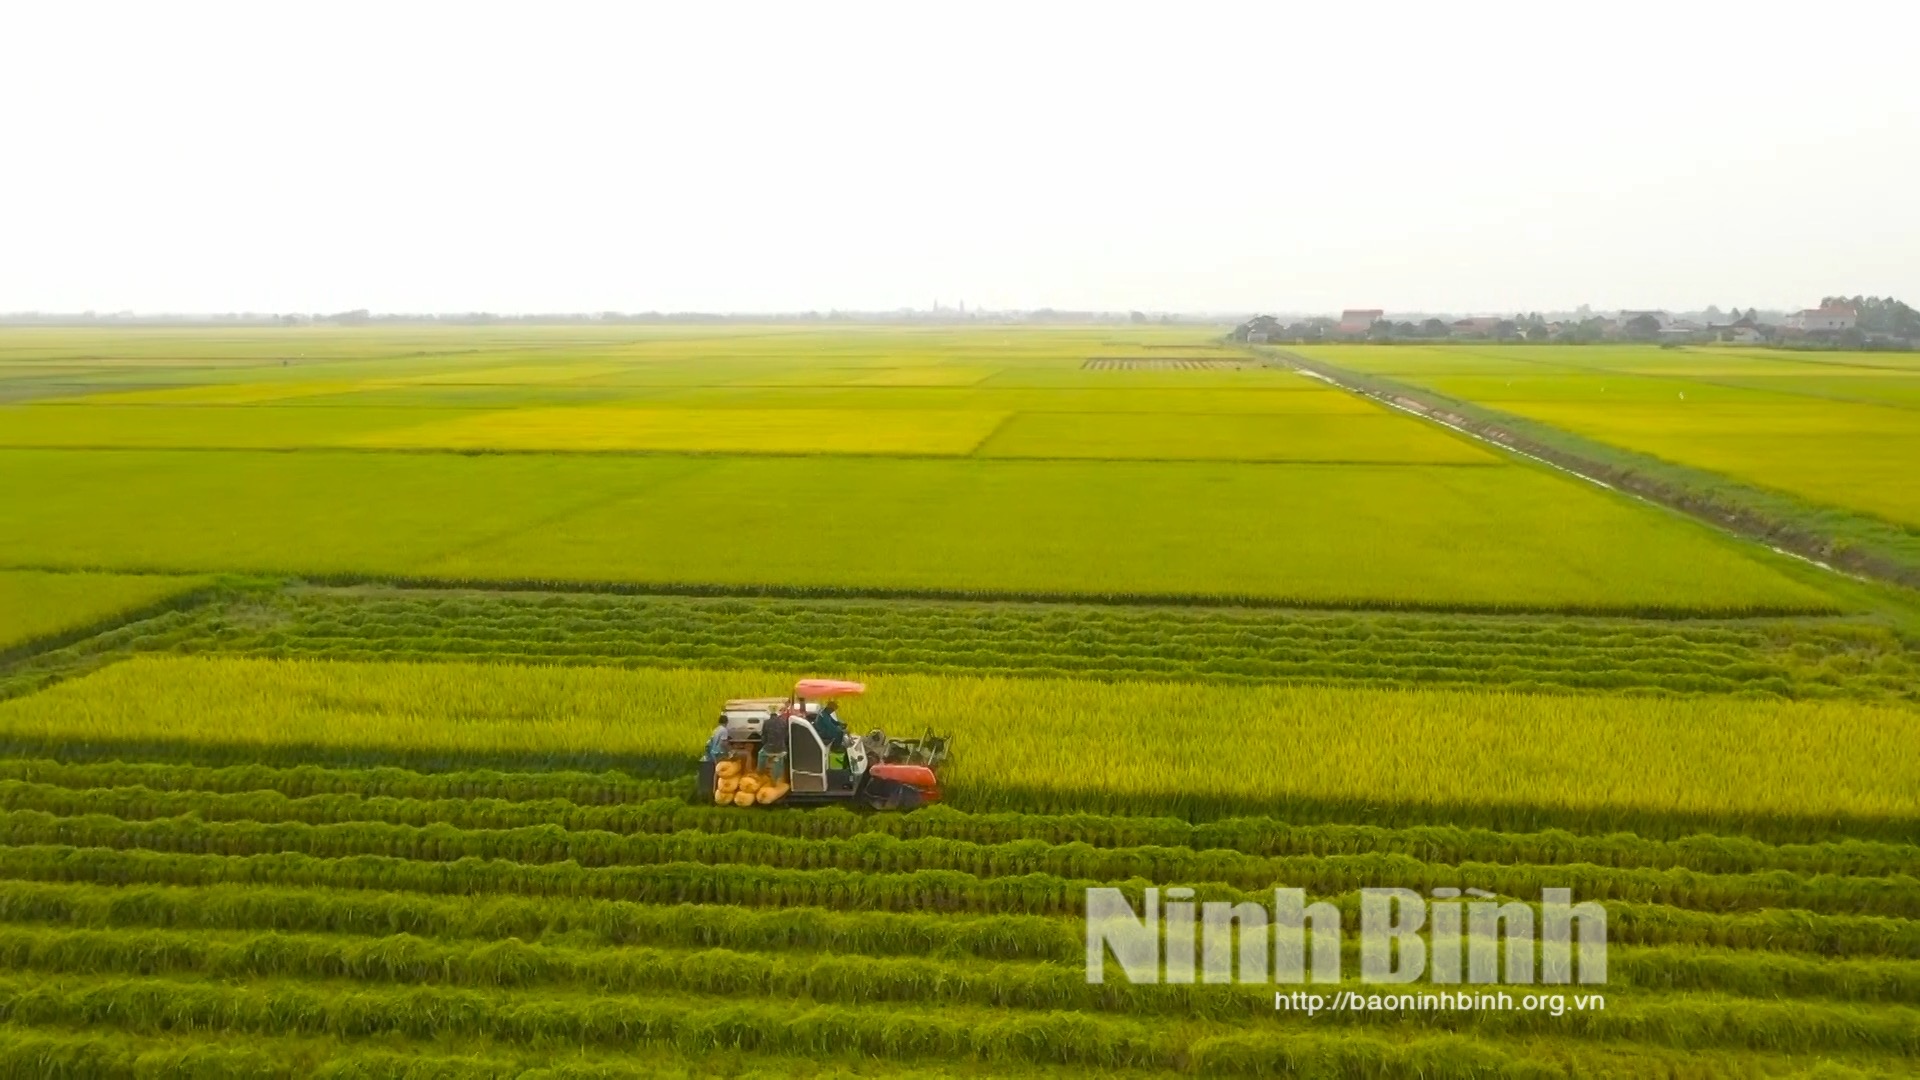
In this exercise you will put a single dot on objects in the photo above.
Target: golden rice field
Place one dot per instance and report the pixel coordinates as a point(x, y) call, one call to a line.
point(1062, 744)
point(352, 682)
point(37, 604)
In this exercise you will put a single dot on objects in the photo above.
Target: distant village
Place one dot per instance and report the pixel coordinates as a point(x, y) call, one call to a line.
point(1838, 322)
point(1860, 322)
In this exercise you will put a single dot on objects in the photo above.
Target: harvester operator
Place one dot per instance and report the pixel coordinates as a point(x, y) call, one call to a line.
point(832, 731)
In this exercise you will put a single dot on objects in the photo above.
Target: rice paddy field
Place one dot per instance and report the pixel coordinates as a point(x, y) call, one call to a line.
point(977, 463)
point(352, 682)
point(1832, 427)
point(37, 605)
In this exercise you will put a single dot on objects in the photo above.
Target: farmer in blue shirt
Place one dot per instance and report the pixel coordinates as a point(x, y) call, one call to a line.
point(832, 731)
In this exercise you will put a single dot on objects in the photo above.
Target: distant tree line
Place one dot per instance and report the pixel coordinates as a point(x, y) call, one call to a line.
point(1883, 323)
point(1881, 315)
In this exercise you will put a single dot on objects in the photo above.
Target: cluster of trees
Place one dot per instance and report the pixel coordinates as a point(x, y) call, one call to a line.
point(1531, 327)
point(1881, 315)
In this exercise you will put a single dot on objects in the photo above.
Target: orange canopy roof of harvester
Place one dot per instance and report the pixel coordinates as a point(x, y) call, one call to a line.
point(827, 688)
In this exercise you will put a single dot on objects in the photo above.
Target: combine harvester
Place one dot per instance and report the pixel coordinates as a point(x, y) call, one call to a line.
point(794, 751)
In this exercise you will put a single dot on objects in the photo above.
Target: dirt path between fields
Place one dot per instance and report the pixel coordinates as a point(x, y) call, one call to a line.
point(1783, 537)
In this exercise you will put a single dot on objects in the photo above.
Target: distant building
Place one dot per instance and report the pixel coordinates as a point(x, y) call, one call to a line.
point(1665, 319)
point(1741, 331)
point(1479, 326)
point(1826, 319)
point(1355, 322)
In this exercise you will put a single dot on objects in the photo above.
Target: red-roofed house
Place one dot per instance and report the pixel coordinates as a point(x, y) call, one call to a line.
point(1357, 321)
point(1827, 318)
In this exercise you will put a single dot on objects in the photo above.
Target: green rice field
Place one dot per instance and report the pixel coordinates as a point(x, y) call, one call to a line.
point(990, 463)
point(352, 682)
point(1831, 427)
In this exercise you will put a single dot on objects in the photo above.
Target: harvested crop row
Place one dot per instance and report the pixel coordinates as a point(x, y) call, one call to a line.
point(492, 917)
point(589, 617)
point(32, 1053)
point(422, 1012)
point(1801, 658)
point(299, 781)
point(943, 891)
point(1232, 656)
point(35, 1053)
point(687, 1024)
point(151, 791)
point(842, 976)
point(873, 852)
point(921, 937)
point(598, 618)
point(845, 978)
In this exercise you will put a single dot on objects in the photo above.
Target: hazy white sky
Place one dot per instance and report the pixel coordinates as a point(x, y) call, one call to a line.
point(1185, 156)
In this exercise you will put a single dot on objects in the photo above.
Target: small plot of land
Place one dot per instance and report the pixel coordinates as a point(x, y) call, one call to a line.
point(36, 605)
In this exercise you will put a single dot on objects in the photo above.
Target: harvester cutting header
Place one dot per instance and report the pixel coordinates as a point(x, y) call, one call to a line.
point(796, 751)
